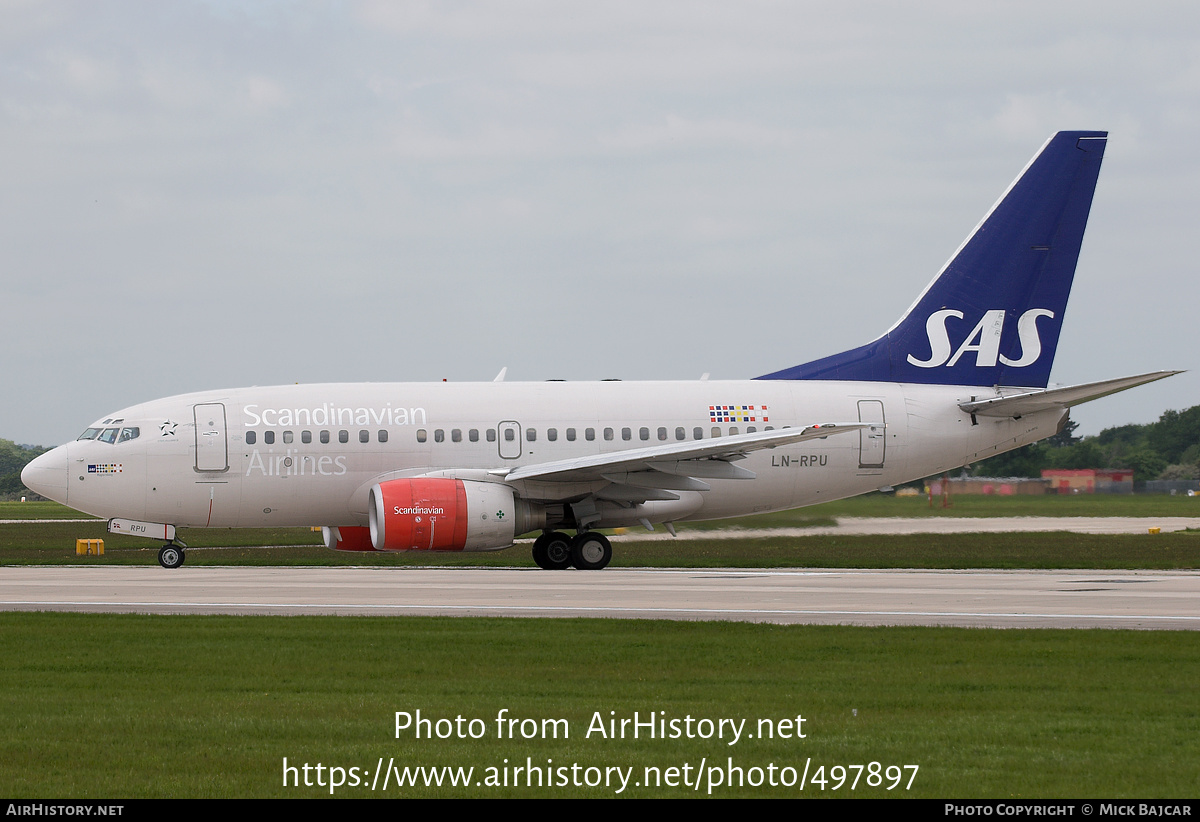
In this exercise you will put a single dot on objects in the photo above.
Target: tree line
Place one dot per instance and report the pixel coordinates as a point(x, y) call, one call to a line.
point(1168, 449)
point(13, 458)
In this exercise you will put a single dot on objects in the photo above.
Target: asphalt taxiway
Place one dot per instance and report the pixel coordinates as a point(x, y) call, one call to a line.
point(1001, 599)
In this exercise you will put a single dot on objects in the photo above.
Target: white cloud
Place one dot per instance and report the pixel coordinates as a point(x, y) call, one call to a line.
point(264, 93)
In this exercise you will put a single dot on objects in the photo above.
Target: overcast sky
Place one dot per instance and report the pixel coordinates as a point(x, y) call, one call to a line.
point(213, 194)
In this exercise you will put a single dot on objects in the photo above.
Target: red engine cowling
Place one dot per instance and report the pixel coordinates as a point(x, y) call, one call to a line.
point(439, 514)
point(348, 538)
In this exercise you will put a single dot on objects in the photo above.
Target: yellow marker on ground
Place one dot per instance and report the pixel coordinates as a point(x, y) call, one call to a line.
point(89, 547)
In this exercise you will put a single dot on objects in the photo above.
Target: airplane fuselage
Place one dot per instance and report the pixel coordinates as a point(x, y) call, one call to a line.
point(307, 454)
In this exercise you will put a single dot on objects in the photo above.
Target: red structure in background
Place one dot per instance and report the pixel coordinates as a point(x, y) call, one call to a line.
point(940, 488)
point(1090, 480)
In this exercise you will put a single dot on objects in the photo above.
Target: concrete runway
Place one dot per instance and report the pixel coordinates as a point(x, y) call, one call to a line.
point(1002, 599)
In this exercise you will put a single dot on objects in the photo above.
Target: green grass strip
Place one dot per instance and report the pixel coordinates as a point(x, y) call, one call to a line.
point(50, 542)
point(54, 544)
point(122, 706)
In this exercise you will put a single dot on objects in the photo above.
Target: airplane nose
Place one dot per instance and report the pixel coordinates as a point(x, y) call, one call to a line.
point(47, 474)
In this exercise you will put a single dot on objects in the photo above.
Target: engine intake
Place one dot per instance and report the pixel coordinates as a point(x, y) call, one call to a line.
point(440, 514)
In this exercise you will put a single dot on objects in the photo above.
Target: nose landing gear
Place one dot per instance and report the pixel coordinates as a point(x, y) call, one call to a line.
point(171, 555)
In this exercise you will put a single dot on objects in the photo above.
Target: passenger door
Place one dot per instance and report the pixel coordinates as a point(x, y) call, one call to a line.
point(509, 439)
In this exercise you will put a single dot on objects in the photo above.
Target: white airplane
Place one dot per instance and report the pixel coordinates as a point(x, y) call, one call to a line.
point(960, 377)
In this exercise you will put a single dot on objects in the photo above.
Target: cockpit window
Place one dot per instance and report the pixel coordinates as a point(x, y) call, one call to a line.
point(129, 434)
point(109, 435)
point(89, 434)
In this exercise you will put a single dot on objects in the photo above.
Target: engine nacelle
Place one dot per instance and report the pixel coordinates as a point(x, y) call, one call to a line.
point(348, 538)
point(440, 514)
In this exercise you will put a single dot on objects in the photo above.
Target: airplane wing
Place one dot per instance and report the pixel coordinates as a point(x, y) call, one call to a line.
point(679, 464)
point(1017, 405)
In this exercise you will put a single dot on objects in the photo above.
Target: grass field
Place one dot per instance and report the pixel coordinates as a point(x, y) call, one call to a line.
point(130, 706)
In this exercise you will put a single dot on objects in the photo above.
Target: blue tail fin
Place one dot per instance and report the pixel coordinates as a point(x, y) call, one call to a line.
point(992, 315)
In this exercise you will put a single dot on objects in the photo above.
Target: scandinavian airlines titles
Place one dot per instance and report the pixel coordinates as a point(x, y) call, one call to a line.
point(326, 414)
point(293, 464)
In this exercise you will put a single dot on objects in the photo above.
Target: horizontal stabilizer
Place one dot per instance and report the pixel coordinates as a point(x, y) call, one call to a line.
point(1018, 405)
point(681, 457)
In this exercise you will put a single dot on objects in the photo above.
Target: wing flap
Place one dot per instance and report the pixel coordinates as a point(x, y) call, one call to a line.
point(656, 479)
point(706, 469)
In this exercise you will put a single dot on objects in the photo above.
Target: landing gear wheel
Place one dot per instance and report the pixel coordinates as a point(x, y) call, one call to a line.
point(539, 551)
point(590, 551)
point(552, 551)
point(170, 556)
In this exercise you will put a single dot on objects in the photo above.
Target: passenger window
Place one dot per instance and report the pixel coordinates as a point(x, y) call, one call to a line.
point(343, 435)
point(769, 428)
point(383, 435)
point(306, 436)
point(750, 429)
point(570, 435)
point(608, 434)
point(491, 435)
point(626, 434)
point(662, 433)
point(680, 434)
point(589, 434)
point(364, 436)
point(644, 433)
point(439, 435)
point(288, 436)
point(109, 435)
point(250, 437)
point(509, 435)
point(325, 437)
point(716, 432)
point(473, 435)
point(733, 430)
point(552, 434)
point(269, 437)
point(697, 433)
point(421, 435)
point(531, 434)
point(456, 435)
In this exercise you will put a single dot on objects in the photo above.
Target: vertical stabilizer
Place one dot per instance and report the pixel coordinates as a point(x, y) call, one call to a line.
point(993, 314)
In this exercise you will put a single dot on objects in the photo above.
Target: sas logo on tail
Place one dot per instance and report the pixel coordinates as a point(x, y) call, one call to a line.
point(984, 339)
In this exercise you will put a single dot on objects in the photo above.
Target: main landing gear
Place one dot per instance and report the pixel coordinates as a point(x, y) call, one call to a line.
point(587, 551)
point(171, 555)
